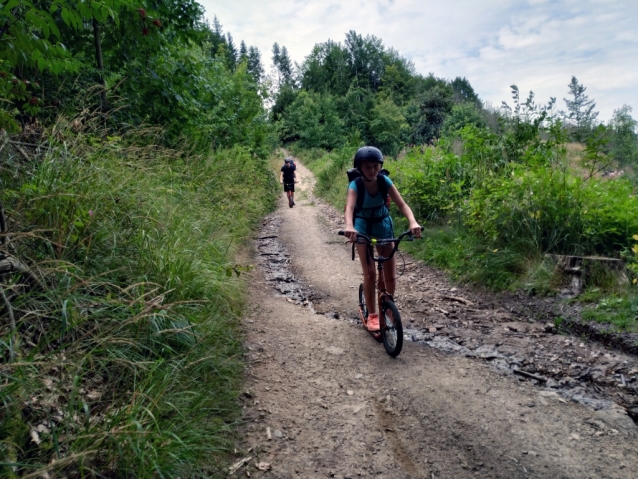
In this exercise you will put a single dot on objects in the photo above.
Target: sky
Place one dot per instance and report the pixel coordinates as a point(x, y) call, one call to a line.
point(537, 45)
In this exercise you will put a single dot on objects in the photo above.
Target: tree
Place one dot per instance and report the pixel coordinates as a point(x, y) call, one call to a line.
point(387, 126)
point(255, 68)
point(580, 110)
point(463, 91)
point(365, 58)
point(624, 140)
point(435, 106)
point(243, 52)
point(398, 79)
point(284, 98)
point(462, 115)
point(326, 69)
point(313, 120)
point(283, 65)
point(231, 53)
point(216, 37)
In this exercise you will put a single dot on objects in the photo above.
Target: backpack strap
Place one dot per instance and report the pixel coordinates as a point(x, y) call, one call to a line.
point(383, 186)
point(361, 194)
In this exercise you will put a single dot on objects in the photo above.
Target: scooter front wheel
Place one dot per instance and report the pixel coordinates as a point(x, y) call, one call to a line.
point(391, 328)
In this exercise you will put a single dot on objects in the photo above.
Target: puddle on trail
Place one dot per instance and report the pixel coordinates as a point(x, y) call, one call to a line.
point(276, 264)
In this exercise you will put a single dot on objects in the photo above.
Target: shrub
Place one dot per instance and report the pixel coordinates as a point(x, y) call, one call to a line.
point(546, 210)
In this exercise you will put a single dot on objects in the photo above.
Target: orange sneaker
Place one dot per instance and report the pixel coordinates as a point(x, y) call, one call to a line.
point(373, 322)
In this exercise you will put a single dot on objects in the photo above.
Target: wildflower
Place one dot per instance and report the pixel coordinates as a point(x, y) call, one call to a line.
point(157, 22)
point(91, 213)
point(142, 13)
point(145, 31)
point(33, 101)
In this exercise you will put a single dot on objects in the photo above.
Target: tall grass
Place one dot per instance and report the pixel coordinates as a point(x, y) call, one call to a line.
point(127, 363)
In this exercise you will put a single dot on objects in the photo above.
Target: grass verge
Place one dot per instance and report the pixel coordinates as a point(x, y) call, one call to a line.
point(127, 361)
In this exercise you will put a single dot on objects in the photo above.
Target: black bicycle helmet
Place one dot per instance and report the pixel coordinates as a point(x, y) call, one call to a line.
point(367, 153)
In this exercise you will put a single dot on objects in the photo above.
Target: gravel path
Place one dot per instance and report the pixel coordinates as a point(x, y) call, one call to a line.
point(323, 399)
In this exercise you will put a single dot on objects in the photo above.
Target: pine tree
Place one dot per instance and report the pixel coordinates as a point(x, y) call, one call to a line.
point(217, 37)
point(217, 27)
point(285, 67)
point(580, 110)
point(276, 60)
point(231, 52)
point(243, 51)
point(255, 68)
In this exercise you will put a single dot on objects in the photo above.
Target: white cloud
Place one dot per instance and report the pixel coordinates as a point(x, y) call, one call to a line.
point(536, 44)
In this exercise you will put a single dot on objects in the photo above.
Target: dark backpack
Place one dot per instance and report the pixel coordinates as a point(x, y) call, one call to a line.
point(354, 175)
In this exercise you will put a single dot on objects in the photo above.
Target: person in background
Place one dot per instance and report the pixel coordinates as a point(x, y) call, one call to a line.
point(288, 178)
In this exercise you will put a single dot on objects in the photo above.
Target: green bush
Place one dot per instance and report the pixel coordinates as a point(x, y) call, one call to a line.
point(313, 120)
point(433, 182)
point(544, 210)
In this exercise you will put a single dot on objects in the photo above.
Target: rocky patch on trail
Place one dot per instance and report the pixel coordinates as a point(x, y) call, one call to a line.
point(275, 262)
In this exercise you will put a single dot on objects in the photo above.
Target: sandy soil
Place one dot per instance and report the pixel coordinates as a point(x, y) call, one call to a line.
point(323, 399)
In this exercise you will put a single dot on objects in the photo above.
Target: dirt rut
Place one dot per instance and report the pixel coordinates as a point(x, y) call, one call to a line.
point(323, 399)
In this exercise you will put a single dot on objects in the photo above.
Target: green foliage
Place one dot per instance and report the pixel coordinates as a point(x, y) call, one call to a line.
point(580, 111)
point(433, 182)
point(462, 115)
point(387, 127)
point(130, 358)
point(509, 198)
point(624, 140)
point(594, 159)
point(313, 120)
point(285, 97)
point(158, 63)
point(463, 91)
point(621, 310)
point(435, 105)
point(377, 95)
point(201, 99)
point(31, 36)
point(283, 64)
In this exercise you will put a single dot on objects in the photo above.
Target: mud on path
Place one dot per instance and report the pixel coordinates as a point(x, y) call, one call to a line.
point(323, 399)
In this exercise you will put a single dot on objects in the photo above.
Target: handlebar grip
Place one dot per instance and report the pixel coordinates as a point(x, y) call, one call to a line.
point(341, 233)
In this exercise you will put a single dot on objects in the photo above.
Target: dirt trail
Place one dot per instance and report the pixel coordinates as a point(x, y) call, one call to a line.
point(323, 399)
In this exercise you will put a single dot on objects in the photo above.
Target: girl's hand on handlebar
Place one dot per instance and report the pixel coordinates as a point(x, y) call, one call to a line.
point(351, 234)
point(416, 229)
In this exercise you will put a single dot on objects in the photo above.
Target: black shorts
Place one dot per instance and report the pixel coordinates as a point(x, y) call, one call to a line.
point(289, 187)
